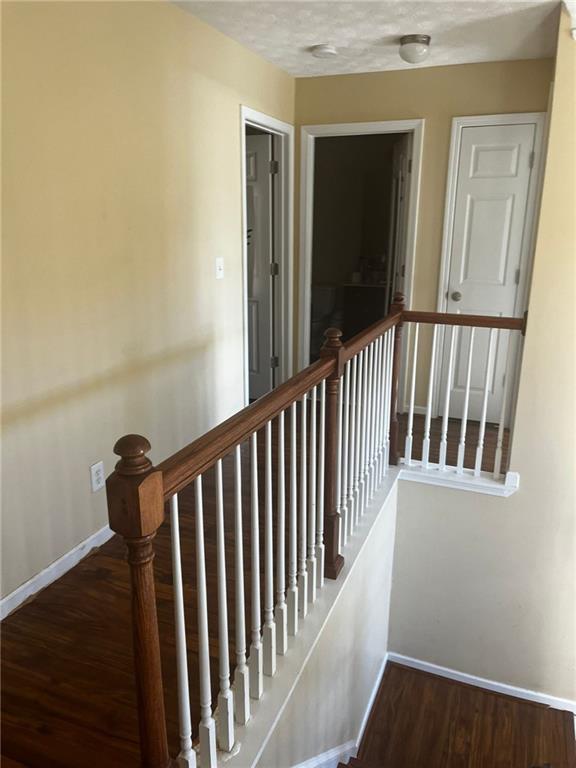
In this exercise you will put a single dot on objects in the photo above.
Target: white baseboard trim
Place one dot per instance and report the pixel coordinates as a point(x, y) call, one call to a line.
point(467, 481)
point(54, 571)
point(331, 758)
point(481, 682)
point(371, 700)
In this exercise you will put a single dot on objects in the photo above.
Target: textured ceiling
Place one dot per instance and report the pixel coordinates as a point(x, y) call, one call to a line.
point(366, 33)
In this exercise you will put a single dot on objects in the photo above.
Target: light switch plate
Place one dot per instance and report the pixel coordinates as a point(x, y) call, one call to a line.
point(97, 478)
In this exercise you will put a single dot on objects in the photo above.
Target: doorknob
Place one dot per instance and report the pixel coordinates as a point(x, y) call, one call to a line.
point(456, 296)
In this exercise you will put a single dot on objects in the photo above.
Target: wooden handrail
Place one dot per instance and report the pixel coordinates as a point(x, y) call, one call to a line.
point(180, 469)
point(478, 321)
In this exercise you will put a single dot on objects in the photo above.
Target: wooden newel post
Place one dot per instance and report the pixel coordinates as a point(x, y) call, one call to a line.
point(398, 305)
point(136, 511)
point(333, 560)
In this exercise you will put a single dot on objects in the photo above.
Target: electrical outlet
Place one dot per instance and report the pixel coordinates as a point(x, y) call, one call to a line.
point(219, 268)
point(97, 479)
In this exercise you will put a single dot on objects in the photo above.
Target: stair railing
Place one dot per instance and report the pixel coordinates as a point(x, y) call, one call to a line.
point(335, 430)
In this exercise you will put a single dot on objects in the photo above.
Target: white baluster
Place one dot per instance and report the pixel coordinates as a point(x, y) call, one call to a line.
point(225, 721)
point(482, 429)
point(445, 415)
point(281, 611)
point(388, 398)
point(410, 427)
point(255, 660)
point(340, 407)
point(364, 441)
point(367, 436)
point(207, 728)
point(344, 455)
point(241, 675)
point(503, 409)
point(357, 451)
point(376, 417)
point(320, 552)
point(426, 440)
point(186, 756)
point(462, 443)
point(292, 594)
point(352, 446)
point(269, 631)
point(382, 436)
point(311, 560)
point(302, 573)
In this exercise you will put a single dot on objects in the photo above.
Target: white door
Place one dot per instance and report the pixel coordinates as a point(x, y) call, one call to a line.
point(259, 235)
point(488, 251)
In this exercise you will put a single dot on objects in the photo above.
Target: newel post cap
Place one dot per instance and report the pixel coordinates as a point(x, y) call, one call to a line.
point(332, 338)
point(135, 490)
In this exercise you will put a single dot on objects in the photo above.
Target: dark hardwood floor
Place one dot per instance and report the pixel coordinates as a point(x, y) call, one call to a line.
point(425, 721)
point(472, 430)
point(67, 685)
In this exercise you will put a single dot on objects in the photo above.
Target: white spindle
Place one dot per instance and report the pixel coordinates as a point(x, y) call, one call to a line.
point(352, 446)
point(269, 631)
point(376, 418)
point(320, 552)
point(241, 675)
point(225, 722)
point(187, 756)
point(368, 436)
point(255, 660)
point(364, 442)
point(379, 387)
point(383, 427)
point(462, 443)
point(302, 573)
point(311, 560)
point(281, 612)
point(446, 413)
point(344, 525)
point(357, 451)
point(339, 463)
point(388, 398)
point(482, 429)
point(292, 594)
point(503, 409)
point(410, 426)
point(207, 728)
point(427, 421)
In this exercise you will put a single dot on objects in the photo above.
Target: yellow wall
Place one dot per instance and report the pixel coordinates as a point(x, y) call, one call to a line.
point(121, 145)
point(436, 94)
point(488, 585)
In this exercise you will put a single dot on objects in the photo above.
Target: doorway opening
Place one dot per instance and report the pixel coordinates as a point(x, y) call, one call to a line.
point(267, 189)
point(360, 186)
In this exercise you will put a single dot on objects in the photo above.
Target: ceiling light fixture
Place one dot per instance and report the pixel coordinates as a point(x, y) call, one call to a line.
point(324, 51)
point(414, 48)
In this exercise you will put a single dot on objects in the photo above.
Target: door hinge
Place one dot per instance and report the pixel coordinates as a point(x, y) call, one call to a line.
point(410, 165)
point(531, 158)
point(274, 362)
point(274, 268)
point(274, 167)
point(517, 276)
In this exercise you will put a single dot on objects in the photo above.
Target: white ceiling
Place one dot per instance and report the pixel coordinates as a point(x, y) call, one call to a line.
point(367, 33)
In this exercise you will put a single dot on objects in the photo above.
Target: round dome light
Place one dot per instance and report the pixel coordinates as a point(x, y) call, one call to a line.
point(324, 51)
point(414, 48)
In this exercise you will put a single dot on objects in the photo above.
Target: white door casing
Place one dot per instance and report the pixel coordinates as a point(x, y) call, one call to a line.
point(259, 239)
point(488, 246)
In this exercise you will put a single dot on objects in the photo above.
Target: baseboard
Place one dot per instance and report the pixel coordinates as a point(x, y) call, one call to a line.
point(54, 571)
point(481, 682)
point(371, 700)
point(331, 758)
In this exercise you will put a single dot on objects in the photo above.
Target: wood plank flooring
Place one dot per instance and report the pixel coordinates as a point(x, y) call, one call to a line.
point(421, 720)
point(67, 682)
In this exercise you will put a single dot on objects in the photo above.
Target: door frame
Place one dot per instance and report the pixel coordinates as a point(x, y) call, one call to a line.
point(539, 120)
point(308, 136)
point(284, 239)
